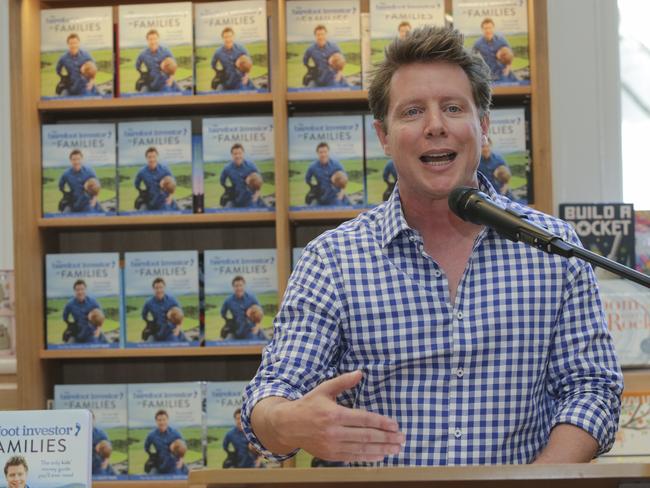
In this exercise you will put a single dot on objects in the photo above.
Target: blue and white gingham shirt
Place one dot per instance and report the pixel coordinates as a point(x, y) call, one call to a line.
point(523, 348)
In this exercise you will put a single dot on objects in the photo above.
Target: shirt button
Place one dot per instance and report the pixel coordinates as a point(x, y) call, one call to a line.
point(460, 315)
point(437, 273)
point(458, 433)
point(460, 372)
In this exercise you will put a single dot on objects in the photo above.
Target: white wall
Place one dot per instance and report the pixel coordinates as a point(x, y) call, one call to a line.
point(585, 100)
point(6, 220)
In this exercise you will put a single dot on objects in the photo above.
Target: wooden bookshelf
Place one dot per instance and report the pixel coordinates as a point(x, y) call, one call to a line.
point(140, 484)
point(328, 96)
point(156, 220)
point(35, 236)
point(150, 103)
point(250, 350)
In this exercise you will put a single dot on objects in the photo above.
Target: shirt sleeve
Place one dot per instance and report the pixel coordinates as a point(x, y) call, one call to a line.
point(137, 180)
point(306, 56)
point(145, 310)
point(139, 61)
point(584, 374)
point(309, 173)
point(148, 441)
point(213, 61)
point(305, 347)
point(62, 181)
point(59, 65)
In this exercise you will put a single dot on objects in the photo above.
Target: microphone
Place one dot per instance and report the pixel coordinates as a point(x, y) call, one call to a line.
point(475, 206)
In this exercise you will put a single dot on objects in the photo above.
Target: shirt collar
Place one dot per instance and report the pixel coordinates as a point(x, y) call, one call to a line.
point(395, 223)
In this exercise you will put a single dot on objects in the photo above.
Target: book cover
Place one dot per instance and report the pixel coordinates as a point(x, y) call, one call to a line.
point(505, 160)
point(326, 162)
point(231, 47)
point(77, 53)
point(46, 448)
point(107, 404)
point(161, 299)
point(390, 20)
point(165, 423)
point(198, 186)
point(156, 49)
point(498, 31)
point(241, 296)
point(642, 236)
point(366, 52)
point(83, 300)
point(239, 164)
point(627, 311)
point(155, 167)
point(380, 172)
point(227, 444)
point(604, 228)
point(7, 292)
point(633, 436)
point(79, 170)
point(323, 45)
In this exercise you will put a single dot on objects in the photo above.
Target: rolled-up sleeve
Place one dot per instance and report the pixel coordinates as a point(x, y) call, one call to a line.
point(306, 341)
point(584, 373)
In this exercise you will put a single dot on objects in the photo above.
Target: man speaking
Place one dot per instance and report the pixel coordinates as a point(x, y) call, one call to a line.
point(408, 336)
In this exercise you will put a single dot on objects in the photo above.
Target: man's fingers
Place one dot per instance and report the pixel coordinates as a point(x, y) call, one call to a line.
point(371, 450)
point(338, 385)
point(361, 418)
point(367, 436)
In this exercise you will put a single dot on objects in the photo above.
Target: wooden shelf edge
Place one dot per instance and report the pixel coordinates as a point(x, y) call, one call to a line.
point(505, 91)
point(325, 215)
point(140, 484)
point(251, 350)
point(149, 220)
point(332, 96)
point(94, 105)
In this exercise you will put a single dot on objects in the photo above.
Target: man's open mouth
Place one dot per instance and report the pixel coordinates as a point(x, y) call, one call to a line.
point(438, 158)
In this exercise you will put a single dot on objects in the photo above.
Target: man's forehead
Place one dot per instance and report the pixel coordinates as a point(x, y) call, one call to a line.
point(420, 72)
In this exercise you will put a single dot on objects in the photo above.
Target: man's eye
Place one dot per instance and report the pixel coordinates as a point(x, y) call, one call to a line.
point(412, 112)
point(454, 109)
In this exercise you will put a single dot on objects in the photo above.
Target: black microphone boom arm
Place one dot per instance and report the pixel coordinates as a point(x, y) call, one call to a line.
point(474, 206)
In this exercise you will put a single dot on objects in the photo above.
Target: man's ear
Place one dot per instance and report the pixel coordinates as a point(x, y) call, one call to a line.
point(382, 136)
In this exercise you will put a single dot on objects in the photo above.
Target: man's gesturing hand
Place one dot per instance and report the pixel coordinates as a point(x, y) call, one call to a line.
point(317, 424)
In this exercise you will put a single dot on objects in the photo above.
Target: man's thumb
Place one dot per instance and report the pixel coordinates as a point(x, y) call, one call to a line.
point(341, 383)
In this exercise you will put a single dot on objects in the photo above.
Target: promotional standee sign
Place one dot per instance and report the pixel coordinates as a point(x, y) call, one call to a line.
point(46, 448)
